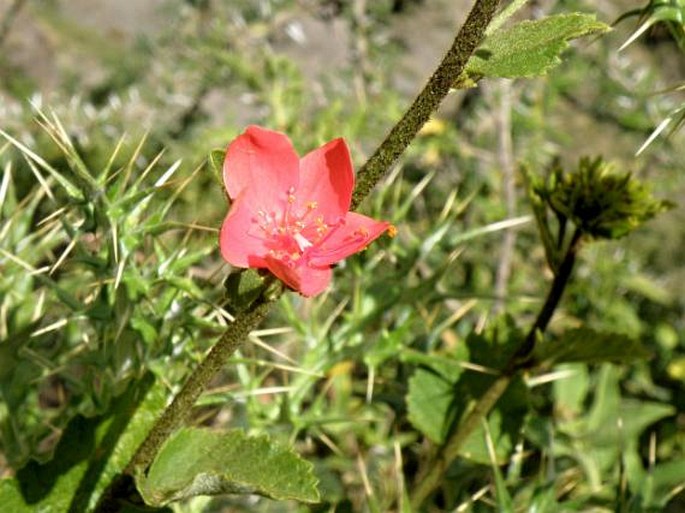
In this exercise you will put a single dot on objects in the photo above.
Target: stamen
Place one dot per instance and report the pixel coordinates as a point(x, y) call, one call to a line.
point(302, 242)
point(287, 229)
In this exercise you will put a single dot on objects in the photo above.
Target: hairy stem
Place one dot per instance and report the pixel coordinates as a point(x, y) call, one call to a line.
point(369, 175)
point(182, 404)
point(399, 138)
point(428, 483)
point(428, 100)
point(179, 409)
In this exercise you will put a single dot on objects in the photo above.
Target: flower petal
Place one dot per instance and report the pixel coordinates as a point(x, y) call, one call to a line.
point(308, 281)
point(239, 238)
point(354, 235)
point(327, 178)
point(262, 162)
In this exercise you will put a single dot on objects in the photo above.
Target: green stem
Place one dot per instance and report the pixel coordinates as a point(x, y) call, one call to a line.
point(369, 175)
point(428, 483)
point(398, 139)
point(561, 279)
point(180, 407)
point(177, 412)
point(428, 100)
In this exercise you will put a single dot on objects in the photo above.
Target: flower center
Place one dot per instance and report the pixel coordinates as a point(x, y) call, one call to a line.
point(290, 233)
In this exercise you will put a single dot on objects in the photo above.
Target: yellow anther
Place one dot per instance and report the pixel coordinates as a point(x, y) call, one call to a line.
point(312, 205)
point(392, 231)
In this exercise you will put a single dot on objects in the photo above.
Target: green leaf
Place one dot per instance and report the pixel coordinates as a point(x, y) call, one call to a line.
point(429, 403)
point(390, 343)
point(91, 452)
point(505, 422)
point(544, 500)
point(571, 391)
point(505, 503)
point(504, 15)
point(243, 287)
point(448, 365)
point(666, 477)
point(611, 429)
point(207, 462)
point(12, 500)
point(31, 158)
point(590, 346)
point(635, 416)
point(530, 48)
point(445, 391)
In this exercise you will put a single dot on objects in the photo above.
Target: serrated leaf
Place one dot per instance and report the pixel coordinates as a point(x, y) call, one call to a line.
point(209, 462)
point(590, 346)
point(90, 453)
point(531, 47)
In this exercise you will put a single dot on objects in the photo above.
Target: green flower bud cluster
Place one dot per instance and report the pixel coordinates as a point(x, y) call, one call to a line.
point(600, 201)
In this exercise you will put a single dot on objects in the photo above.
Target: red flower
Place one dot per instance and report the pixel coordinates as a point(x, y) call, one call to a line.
point(291, 215)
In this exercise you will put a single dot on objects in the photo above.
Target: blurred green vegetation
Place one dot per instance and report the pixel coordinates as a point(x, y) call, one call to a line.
point(95, 291)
